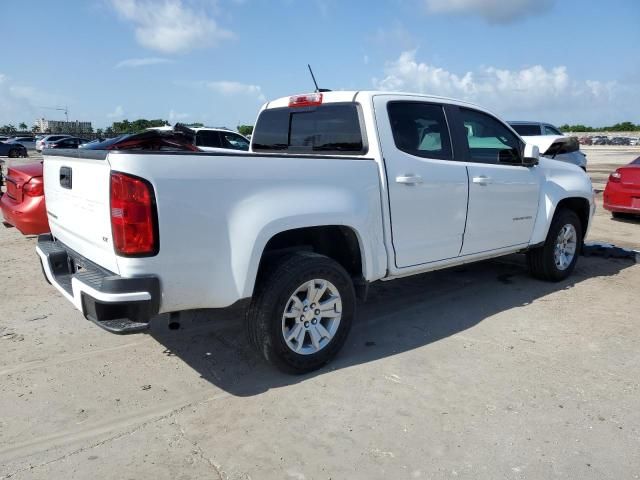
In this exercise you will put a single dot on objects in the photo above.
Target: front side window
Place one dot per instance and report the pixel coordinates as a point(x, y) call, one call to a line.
point(489, 140)
point(234, 141)
point(420, 129)
point(331, 128)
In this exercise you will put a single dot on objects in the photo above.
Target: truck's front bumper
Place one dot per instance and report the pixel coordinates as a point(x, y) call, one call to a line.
point(117, 304)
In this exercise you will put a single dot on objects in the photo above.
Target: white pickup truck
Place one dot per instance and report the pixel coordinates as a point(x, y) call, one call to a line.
point(340, 189)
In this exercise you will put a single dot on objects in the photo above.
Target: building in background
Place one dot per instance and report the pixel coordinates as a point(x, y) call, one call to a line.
point(62, 126)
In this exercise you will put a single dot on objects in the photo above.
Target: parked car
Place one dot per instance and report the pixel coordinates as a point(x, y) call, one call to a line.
point(585, 140)
point(41, 144)
point(634, 141)
point(91, 142)
point(553, 143)
point(23, 204)
point(68, 142)
point(214, 139)
point(319, 208)
point(600, 140)
point(4, 138)
point(28, 142)
point(534, 129)
point(12, 150)
point(619, 141)
point(622, 193)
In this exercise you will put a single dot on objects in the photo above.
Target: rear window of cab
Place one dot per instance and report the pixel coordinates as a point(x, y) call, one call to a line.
point(334, 128)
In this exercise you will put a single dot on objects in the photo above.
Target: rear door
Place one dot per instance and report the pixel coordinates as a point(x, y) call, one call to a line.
point(503, 193)
point(77, 193)
point(427, 187)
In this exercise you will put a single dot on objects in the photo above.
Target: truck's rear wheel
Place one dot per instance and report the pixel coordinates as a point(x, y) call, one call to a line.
point(556, 259)
point(302, 312)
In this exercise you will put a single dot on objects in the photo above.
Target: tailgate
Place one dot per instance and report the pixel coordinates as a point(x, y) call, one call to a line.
point(76, 184)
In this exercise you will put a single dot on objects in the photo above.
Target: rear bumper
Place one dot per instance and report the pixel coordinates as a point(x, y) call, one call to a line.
point(117, 304)
point(620, 198)
point(28, 216)
point(612, 207)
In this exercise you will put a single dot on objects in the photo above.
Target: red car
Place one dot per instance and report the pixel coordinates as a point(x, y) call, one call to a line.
point(23, 203)
point(622, 193)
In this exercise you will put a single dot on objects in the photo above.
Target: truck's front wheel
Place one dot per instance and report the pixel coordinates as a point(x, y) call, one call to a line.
point(556, 259)
point(302, 312)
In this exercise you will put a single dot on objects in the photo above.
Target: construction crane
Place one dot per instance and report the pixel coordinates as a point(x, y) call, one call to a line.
point(64, 109)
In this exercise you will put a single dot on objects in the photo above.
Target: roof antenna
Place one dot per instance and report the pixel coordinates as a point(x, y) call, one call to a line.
point(313, 77)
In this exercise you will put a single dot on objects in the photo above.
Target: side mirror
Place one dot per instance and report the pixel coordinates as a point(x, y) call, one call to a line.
point(531, 155)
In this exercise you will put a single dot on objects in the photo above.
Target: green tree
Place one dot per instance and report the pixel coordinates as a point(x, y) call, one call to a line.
point(624, 127)
point(245, 129)
point(99, 132)
point(23, 127)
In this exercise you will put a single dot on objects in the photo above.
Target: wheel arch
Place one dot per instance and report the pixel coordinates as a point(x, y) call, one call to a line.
point(342, 243)
point(550, 206)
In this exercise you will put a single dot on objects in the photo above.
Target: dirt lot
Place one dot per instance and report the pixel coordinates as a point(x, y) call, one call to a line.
point(477, 372)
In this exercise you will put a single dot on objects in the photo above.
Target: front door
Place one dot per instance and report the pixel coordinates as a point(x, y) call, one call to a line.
point(503, 193)
point(427, 187)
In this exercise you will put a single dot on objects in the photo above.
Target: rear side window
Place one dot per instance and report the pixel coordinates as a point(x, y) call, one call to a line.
point(527, 130)
point(208, 138)
point(547, 130)
point(331, 128)
point(489, 140)
point(420, 129)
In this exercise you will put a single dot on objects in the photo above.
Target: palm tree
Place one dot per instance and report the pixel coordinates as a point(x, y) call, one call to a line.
point(23, 127)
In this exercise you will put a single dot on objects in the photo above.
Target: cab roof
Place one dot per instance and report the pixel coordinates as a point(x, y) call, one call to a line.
point(342, 96)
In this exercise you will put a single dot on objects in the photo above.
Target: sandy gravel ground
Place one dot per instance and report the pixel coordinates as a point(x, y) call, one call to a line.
point(476, 373)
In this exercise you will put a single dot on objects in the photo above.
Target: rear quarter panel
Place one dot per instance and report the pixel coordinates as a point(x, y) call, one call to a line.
point(216, 213)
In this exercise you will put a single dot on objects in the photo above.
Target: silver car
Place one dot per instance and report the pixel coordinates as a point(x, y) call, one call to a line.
point(40, 144)
point(552, 142)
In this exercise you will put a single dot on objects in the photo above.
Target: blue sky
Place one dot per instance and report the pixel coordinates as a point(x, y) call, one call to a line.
point(216, 61)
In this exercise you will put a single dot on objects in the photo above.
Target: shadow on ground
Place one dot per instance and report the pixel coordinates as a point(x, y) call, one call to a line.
point(399, 316)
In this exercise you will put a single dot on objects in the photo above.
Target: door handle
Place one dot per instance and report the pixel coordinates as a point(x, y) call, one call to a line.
point(409, 179)
point(482, 180)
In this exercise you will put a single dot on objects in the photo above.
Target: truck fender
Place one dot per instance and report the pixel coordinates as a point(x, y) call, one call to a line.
point(562, 182)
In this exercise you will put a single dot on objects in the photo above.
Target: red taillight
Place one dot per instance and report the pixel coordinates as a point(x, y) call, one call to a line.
point(34, 187)
point(615, 177)
point(308, 100)
point(133, 216)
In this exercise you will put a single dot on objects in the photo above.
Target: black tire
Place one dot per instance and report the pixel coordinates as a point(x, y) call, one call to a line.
point(13, 153)
point(272, 294)
point(541, 260)
point(618, 215)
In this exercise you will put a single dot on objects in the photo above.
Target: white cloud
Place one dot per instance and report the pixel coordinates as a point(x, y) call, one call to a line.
point(141, 62)
point(493, 11)
point(118, 113)
point(229, 88)
point(170, 26)
point(548, 94)
point(23, 103)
